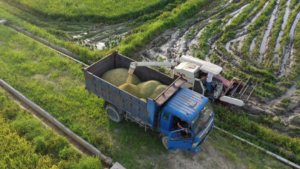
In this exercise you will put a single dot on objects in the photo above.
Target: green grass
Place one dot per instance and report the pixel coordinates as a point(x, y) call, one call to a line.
point(233, 121)
point(239, 153)
point(27, 143)
point(93, 10)
point(57, 85)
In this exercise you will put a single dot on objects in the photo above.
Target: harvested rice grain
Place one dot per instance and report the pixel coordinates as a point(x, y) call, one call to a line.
point(131, 88)
point(119, 76)
point(147, 88)
point(158, 91)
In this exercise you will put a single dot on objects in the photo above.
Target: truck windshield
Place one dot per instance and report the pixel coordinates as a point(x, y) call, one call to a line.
point(200, 121)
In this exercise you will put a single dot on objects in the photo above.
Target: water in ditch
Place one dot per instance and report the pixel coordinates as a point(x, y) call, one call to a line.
point(251, 48)
point(255, 17)
point(288, 46)
point(235, 14)
point(264, 42)
point(285, 19)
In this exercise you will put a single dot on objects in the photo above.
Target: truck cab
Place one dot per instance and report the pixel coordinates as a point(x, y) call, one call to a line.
point(193, 109)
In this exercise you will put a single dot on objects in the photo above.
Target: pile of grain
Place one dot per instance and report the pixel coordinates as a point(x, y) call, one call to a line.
point(132, 84)
point(119, 76)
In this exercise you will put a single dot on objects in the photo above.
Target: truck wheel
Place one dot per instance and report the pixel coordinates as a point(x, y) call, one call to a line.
point(165, 141)
point(113, 114)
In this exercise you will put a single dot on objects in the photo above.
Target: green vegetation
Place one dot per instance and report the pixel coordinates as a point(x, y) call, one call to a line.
point(57, 85)
point(286, 32)
point(151, 29)
point(237, 152)
point(104, 10)
point(27, 143)
point(84, 53)
point(296, 66)
point(259, 24)
point(243, 15)
point(210, 30)
point(235, 121)
point(294, 3)
point(275, 32)
point(285, 102)
point(231, 8)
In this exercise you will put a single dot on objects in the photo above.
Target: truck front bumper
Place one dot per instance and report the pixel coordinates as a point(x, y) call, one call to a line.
point(195, 150)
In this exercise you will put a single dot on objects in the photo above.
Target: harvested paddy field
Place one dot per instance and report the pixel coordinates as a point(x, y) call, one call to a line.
point(248, 38)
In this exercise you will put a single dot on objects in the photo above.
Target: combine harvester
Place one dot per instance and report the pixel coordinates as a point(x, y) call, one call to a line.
point(174, 104)
point(191, 69)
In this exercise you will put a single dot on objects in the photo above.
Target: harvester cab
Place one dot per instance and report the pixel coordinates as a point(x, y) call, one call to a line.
point(192, 69)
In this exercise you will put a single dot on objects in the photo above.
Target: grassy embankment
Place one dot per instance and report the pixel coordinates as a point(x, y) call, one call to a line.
point(27, 143)
point(204, 14)
point(57, 85)
point(105, 11)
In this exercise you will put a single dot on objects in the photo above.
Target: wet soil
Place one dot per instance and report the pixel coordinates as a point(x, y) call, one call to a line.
point(288, 46)
point(264, 42)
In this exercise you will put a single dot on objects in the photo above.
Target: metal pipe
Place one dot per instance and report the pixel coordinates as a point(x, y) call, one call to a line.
point(277, 157)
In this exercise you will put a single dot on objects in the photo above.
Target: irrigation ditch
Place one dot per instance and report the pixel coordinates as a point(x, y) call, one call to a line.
point(85, 146)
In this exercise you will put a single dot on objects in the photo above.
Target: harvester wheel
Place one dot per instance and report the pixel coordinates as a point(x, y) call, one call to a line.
point(113, 114)
point(165, 141)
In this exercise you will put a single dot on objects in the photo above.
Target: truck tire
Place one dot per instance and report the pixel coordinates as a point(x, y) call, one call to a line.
point(113, 114)
point(165, 141)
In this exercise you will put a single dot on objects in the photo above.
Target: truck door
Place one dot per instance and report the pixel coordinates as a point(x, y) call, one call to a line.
point(178, 140)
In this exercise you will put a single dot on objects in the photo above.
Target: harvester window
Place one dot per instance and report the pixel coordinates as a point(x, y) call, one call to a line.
point(166, 116)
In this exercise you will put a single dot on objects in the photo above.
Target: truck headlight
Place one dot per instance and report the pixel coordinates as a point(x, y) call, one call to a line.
point(195, 144)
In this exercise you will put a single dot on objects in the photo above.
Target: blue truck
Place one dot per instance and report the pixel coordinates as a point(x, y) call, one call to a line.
point(174, 105)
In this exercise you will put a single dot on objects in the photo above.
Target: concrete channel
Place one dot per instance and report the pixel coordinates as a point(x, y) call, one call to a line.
point(81, 141)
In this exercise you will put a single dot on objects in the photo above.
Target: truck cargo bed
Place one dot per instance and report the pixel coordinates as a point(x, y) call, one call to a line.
point(135, 108)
